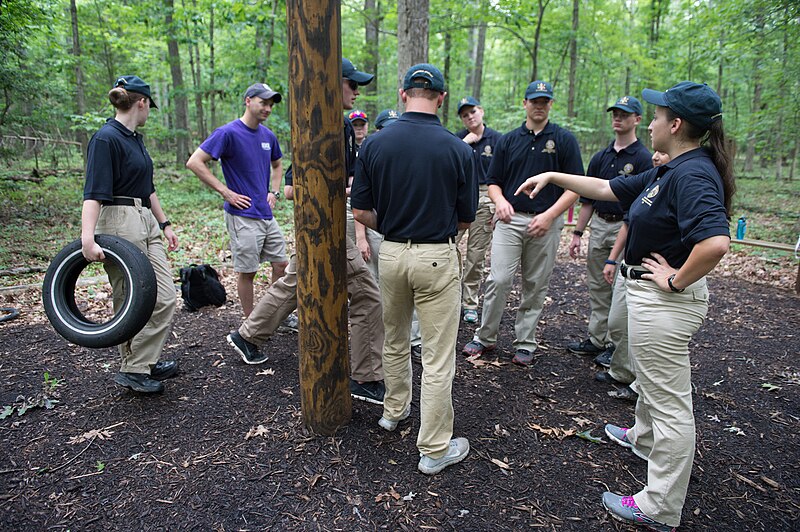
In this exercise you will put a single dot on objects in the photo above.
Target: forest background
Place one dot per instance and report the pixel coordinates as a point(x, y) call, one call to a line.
point(58, 59)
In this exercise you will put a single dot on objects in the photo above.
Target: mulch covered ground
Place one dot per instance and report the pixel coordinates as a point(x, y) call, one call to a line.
point(224, 447)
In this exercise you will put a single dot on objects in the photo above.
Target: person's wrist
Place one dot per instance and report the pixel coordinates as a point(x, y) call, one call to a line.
point(163, 225)
point(611, 262)
point(672, 286)
point(577, 232)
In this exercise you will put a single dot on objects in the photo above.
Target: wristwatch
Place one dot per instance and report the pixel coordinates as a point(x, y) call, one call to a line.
point(163, 225)
point(577, 233)
point(277, 194)
point(672, 286)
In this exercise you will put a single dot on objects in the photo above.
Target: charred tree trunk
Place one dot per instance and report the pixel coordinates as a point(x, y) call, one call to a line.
point(315, 108)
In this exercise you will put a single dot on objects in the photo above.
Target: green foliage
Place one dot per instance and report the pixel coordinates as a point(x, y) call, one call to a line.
point(43, 399)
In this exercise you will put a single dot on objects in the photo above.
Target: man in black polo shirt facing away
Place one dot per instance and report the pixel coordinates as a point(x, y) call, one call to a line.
point(419, 203)
point(526, 232)
point(626, 155)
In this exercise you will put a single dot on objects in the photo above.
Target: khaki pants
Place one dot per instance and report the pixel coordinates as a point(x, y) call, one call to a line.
point(478, 241)
point(366, 338)
point(660, 326)
point(621, 364)
point(512, 247)
point(425, 276)
point(374, 240)
point(601, 240)
point(138, 225)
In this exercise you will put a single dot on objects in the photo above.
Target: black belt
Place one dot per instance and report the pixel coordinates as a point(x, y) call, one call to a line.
point(449, 240)
point(127, 202)
point(629, 273)
point(610, 217)
point(530, 213)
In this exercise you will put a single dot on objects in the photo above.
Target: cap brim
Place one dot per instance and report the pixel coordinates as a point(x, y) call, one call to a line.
point(655, 97)
point(153, 104)
point(538, 95)
point(622, 108)
point(362, 78)
point(460, 107)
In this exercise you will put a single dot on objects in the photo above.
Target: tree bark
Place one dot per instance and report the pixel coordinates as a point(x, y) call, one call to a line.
point(412, 37)
point(212, 78)
point(573, 58)
point(537, 36)
point(80, 100)
point(181, 106)
point(480, 49)
point(372, 25)
point(315, 108)
point(197, 76)
point(448, 44)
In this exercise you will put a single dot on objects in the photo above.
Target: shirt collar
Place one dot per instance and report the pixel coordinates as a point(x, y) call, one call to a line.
point(118, 125)
point(549, 128)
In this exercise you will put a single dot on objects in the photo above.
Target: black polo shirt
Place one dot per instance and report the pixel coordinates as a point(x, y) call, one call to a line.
point(609, 163)
point(520, 154)
point(672, 207)
point(418, 177)
point(482, 151)
point(117, 164)
point(350, 154)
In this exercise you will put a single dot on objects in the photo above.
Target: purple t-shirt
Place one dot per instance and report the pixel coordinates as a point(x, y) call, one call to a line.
point(246, 156)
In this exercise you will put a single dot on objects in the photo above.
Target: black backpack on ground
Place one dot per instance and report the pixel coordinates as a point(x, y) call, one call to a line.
point(200, 286)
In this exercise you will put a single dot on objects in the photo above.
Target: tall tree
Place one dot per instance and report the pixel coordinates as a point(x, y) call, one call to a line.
point(372, 25)
point(412, 37)
point(181, 106)
point(80, 100)
point(573, 58)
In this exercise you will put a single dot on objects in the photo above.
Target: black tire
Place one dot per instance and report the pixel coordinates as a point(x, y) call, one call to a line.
point(58, 294)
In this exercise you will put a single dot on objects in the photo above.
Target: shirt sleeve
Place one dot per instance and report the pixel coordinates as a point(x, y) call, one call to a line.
point(215, 144)
point(571, 161)
point(361, 191)
point(99, 171)
point(700, 209)
point(276, 149)
point(628, 188)
point(494, 176)
point(467, 200)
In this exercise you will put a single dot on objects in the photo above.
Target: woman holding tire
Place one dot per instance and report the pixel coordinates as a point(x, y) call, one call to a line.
point(120, 200)
point(678, 232)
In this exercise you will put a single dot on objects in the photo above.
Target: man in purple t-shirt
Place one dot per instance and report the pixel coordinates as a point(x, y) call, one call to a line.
point(251, 163)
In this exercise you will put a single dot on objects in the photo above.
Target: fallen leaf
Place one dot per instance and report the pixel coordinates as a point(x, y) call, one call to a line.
point(260, 430)
point(581, 421)
point(269, 371)
point(770, 387)
point(587, 435)
point(410, 496)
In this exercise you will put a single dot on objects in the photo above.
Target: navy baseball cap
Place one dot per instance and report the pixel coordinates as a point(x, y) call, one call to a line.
point(698, 104)
point(423, 76)
point(137, 85)
point(350, 72)
point(262, 90)
point(469, 101)
point(539, 89)
point(629, 104)
point(386, 117)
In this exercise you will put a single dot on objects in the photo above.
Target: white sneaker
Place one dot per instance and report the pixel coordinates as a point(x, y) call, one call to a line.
point(290, 324)
point(389, 424)
point(458, 450)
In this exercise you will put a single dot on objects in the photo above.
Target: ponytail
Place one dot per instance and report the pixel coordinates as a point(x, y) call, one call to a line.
point(122, 99)
point(715, 141)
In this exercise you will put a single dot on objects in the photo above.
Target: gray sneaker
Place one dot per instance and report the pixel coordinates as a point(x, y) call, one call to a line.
point(626, 510)
point(290, 324)
point(389, 424)
point(620, 436)
point(458, 450)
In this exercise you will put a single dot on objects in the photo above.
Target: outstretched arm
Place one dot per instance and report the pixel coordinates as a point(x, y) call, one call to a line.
point(588, 187)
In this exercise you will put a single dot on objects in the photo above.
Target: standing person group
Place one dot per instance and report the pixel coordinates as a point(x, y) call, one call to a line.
point(678, 231)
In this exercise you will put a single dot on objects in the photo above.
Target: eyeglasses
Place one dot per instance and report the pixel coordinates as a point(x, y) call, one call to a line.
point(352, 84)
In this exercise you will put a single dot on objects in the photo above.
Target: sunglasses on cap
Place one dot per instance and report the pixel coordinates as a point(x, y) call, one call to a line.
point(358, 115)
